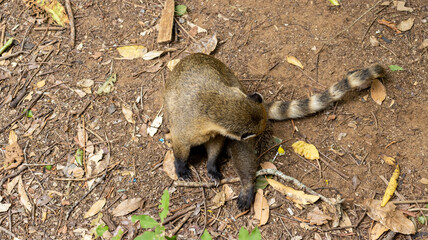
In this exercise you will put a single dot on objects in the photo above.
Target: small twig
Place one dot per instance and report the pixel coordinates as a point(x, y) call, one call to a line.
point(374, 116)
point(12, 55)
point(25, 35)
point(310, 78)
point(71, 18)
point(84, 196)
point(205, 202)
point(184, 30)
point(409, 201)
point(177, 228)
point(49, 28)
point(274, 146)
point(294, 181)
point(388, 49)
point(8, 232)
point(345, 227)
point(417, 209)
point(20, 170)
point(205, 184)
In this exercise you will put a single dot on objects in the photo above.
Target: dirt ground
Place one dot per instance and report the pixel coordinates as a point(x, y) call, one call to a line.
point(254, 39)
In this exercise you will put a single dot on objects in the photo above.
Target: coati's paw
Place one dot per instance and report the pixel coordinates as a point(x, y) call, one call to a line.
point(215, 175)
point(182, 170)
point(245, 199)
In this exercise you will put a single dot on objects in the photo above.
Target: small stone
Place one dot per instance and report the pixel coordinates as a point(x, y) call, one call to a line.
point(373, 41)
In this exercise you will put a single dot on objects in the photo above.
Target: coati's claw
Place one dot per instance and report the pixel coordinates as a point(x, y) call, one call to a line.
point(182, 170)
point(215, 176)
point(245, 199)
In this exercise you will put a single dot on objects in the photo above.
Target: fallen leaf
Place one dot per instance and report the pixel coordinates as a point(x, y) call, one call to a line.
point(13, 156)
point(95, 208)
point(107, 85)
point(29, 96)
point(171, 64)
point(180, 10)
point(12, 137)
point(34, 125)
point(390, 217)
point(10, 185)
point(401, 7)
point(153, 128)
point(294, 61)
point(82, 136)
point(80, 93)
point(127, 112)
point(219, 199)
point(295, 195)
point(406, 25)
point(423, 45)
point(127, 206)
point(377, 231)
point(24, 197)
point(132, 52)
point(317, 217)
point(40, 84)
point(85, 83)
point(152, 54)
point(389, 24)
point(345, 221)
point(267, 165)
point(374, 42)
point(4, 207)
point(93, 161)
point(261, 208)
point(309, 151)
point(424, 181)
point(199, 29)
point(392, 185)
point(388, 160)
point(205, 45)
point(378, 91)
point(228, 191)
point(53, 8)
point(4, 75)
point(168, 165)
point(154, 68)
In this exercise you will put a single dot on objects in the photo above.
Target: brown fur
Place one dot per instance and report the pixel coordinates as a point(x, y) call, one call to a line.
point(206, 104)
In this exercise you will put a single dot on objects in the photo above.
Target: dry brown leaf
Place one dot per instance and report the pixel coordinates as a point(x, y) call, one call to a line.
point(24, 197)
point(10, 185)
point(168, 165)
point(219, 199)
point(13, 156)
point(127, 206)
point(171, 64)
point(378, 91)
point(127, 112)
point(261, 208)
point(93, 163)
point(390, 217)
point(295, 195)
point(267, 165)
point(424, 181)
point(154, 68)
point(345, 221)
point(317, 217)
point(153, 128)
point(205, 45)
point(80, 93)
point(12, 137)
point(377, 231)
point(96, 207)
point(153, 54)
point(34, 125)
point(401, 7)
point(406, 25)
point(388, 160)
point(82, 136)
point(294, 61)
point(228, 191)
point(4, 207)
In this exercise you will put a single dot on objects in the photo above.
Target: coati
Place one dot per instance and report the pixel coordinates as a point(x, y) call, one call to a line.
point(206, 104)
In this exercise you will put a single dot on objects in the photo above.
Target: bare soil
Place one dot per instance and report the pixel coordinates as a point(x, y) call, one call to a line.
point(254, 39)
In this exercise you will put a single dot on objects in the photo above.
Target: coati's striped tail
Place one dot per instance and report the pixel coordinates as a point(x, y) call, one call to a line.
point(280, 110)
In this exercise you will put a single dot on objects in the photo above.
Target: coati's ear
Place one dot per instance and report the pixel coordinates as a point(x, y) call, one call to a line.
point(256, 97)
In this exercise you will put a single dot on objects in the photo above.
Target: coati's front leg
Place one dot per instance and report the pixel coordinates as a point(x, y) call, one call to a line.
point(181, 155)
point(214, 147)
point(245, 164)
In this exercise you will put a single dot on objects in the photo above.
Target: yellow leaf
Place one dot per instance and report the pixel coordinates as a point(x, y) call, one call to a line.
point(392, 185)
point(40, 84)
point(132, 52)
point(378, 91)
point(388, 160)
point(294, 61)
point(309, 151)
point(281, 150)
point(53, 8)
point(296, 196)
point(96, 207)
point(261, 208)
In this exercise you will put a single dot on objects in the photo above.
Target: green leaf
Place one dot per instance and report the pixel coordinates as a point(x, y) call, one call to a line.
point(29, 114)
point(243, 234)
point(101, 229)
point(171, 238)
point(118, 236)
point(107, 85)
point(79, 156)
point(255, 234)
point(334, 2)
point(145, 221)
point(261, 182)
point(395, 68)
point(180, 10)
point(206, 235)
point(422, 220)
point(147, 236)
point(48, 167)
point(159, 230)
point(6, 45)
point(164, 205)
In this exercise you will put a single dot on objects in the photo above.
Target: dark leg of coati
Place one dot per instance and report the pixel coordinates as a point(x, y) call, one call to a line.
point(181, 155)
point(214, 147)
point(245, 163)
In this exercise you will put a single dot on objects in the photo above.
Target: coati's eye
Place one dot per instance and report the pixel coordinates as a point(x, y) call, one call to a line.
point(246, 136)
